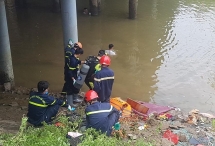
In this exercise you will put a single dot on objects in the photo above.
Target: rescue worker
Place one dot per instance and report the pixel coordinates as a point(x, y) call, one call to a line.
point(103, 80)
point(71, 76)
point(100, 116)
point(42, 107)
point(93, 63)
point(69, 50)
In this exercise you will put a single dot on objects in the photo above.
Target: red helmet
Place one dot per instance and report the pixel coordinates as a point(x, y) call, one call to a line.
point(105, 60)
point(90, 95)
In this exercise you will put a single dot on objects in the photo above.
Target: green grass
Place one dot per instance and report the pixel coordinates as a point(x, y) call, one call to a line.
point(50, 135)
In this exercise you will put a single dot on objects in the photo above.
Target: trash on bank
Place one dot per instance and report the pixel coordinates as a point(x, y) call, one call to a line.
point(193, 141)
point(171, 136)
point(164, 116)
point(74, 138)
point(71, 108)
point(117, 126)
point(59, 124)
point(74, 134)
point(133, 137)
point(194, 117)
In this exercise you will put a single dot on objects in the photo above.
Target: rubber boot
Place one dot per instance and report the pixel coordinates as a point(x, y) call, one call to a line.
point(70, 101)
point(76, 98)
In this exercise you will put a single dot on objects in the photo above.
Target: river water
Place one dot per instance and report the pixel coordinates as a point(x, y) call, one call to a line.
point(166, 55)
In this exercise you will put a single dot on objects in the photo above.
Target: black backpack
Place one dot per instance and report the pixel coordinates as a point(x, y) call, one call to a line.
point(91, 61)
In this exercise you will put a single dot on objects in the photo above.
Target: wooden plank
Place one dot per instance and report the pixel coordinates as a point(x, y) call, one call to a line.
point(137, 106)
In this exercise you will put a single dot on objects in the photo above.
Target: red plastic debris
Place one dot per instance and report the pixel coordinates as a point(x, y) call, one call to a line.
point(171, 136)
point(58, 124)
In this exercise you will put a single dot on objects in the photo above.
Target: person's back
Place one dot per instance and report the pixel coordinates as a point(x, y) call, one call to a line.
point(97, 120)
point(105, 79)
point(35, 113)
point(100, 116)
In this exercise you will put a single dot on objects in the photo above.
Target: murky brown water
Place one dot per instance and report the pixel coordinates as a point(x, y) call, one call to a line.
point(166, 55)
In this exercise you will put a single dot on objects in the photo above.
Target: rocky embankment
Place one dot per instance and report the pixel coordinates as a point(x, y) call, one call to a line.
point(167, 129)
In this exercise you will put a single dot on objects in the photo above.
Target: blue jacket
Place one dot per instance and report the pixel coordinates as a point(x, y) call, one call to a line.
point(103, 82)
point(38, 105)
point(73, 67)
point(69, 51)
point(101, 116)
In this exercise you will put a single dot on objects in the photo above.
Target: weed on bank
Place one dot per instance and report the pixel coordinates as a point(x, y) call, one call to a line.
point(51, 135)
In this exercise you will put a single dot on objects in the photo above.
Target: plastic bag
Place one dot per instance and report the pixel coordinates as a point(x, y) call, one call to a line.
point(171, 136)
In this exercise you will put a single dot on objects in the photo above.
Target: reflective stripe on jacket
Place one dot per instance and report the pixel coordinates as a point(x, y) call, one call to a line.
point(98, 116)
point(68, 52)
point(73, 66)
point(103, 83)
point(100, 111)
point(38, 105)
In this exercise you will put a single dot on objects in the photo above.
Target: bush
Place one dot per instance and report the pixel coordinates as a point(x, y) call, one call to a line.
point(46, 135)
point(95, 138)
point(50, 135)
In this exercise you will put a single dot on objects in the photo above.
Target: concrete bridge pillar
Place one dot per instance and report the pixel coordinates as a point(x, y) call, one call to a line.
point(10, 3)
point(69, 21)
point(21, 3)
point(6, 67)
point(94, 7)
point(133, 9)
point(56, 6)
point(99, 5)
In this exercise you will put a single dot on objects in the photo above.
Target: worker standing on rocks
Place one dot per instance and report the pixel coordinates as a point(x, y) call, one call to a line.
point(103, 80)
point(69, 50)
point(42, 107)
point(100, 116)
point(71, 76)
point(93, 63)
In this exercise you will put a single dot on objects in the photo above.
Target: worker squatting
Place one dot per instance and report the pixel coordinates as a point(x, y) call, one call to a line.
point(97, 76)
